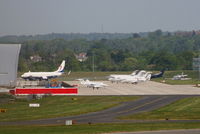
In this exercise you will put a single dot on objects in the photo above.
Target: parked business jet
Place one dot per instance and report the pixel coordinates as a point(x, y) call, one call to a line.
point(140, 77)
point(92, 84)
point(44, 75)
point(180, 77)
point(117, 78)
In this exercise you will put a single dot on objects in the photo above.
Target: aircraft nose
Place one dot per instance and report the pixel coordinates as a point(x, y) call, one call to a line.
point(23, 75)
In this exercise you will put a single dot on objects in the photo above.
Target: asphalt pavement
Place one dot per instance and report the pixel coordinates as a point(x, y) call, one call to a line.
point(143, 88)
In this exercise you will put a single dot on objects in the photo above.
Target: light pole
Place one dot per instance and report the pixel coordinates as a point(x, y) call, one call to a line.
point(199, 66)
point(93, 62)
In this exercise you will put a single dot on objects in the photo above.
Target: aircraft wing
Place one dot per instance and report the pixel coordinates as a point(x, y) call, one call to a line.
point(96, 85)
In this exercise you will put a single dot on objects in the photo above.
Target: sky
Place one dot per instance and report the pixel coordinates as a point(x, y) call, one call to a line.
point(30, 17)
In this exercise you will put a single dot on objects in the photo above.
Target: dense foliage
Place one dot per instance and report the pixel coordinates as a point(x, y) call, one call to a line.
point(153, 52)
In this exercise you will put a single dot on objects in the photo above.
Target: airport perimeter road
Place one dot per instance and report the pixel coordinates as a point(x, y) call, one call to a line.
point(146, 103)
point(186, 131)
point(143, 88)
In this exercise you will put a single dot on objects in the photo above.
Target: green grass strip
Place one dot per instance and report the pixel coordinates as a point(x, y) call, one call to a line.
point(95, 128)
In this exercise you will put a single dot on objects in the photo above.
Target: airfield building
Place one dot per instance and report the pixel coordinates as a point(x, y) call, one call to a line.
point(9, 55)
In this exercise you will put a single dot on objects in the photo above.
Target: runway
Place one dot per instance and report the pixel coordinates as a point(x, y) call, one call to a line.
point(146, 103)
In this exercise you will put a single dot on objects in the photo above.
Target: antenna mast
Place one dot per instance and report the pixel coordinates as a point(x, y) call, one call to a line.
point(93, 61)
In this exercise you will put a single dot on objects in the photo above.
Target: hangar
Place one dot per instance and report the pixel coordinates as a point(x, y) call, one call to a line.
point(9, 55)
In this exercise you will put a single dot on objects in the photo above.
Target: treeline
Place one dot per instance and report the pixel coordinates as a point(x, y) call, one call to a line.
point(67, 36)
point(153, 52)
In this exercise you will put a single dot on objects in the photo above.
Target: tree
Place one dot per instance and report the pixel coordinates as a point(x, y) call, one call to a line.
point(22, 66)
point(130, 64)
point(155, 34)
point(185, 60)
point(136, 35)
point(164, 60)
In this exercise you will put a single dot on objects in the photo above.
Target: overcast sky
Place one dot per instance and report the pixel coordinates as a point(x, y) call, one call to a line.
point(27, 17)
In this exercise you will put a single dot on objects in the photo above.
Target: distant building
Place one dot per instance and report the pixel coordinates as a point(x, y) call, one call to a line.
point(35, 58)
point(196, 64)
point(81, 57)
point(9, 54)
point(187, 33)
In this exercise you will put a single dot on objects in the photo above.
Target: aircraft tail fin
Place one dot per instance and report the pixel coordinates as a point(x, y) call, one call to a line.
point(162, 71)
point(148, 77)
point(134, 72)
point(61, 67)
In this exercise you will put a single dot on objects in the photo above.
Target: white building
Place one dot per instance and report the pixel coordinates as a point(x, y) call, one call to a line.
point(81, 57)
point(9, 55)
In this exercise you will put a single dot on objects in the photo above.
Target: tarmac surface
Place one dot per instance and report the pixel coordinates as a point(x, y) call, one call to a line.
point(143, 88)
point(146, 103)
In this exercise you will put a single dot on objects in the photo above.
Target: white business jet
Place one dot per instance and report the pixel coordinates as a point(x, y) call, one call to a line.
point(92, 84)
point(117, 78)
point(180, 77)
point(140, 77)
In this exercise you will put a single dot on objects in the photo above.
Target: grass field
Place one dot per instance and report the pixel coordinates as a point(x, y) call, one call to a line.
point(58, 106)
point(169, 74)
point(187, 108)
point(177, 82)
point(95, 128)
